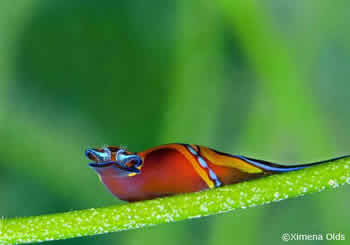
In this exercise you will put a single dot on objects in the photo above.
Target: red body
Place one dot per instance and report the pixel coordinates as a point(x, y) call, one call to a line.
point(164, 172)
point(173, 169)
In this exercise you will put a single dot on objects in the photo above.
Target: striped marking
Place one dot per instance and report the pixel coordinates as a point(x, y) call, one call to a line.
point(210, 173)
point(232, 161)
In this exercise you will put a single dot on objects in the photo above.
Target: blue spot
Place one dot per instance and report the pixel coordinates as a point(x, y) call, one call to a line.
point(214, 177)
point(192, 150)
point(217, 183)
point(212, 174)
point(202, 162)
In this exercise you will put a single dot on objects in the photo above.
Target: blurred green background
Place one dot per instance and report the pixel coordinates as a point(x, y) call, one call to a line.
point(266, 79)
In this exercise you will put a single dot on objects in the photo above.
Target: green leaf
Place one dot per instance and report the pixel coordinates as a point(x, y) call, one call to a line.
point(164, 210)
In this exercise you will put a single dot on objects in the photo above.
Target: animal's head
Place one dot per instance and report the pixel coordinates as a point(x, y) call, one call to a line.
point(114, 161)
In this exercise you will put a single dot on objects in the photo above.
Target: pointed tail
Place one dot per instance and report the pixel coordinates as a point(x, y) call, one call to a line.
point(274, 167)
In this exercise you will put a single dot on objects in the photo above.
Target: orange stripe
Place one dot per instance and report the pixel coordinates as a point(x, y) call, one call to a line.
point(228, 161)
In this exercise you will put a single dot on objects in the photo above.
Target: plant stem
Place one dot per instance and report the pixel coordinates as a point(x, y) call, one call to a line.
point(164, 210)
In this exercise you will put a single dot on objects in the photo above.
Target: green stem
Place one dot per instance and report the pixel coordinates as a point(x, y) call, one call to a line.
point(171, 209)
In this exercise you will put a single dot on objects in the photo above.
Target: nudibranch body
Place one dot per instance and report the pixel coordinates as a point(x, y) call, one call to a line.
point(175, 168)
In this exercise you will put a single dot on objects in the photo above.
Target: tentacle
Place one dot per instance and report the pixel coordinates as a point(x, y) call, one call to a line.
point(125, 158)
